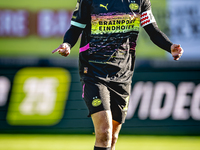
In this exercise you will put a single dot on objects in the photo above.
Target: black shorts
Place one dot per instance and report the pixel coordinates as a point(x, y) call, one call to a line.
point(100, 95)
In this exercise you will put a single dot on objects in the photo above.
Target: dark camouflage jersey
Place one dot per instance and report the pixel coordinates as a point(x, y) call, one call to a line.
point(110, 31)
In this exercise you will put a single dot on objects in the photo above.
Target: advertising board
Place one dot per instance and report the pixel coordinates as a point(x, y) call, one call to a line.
point(45, 96)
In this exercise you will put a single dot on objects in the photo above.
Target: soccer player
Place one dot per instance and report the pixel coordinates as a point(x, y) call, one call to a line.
point(106, 61)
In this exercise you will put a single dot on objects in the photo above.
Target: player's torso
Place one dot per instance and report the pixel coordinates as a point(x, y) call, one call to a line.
point(114, 25)
point(112, 36)
point(114, 16)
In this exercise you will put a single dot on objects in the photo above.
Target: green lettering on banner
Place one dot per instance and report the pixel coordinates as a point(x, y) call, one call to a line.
point(38, 96)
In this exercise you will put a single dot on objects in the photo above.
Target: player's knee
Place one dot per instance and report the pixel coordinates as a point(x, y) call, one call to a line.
point(114, 139)
point(105, 136)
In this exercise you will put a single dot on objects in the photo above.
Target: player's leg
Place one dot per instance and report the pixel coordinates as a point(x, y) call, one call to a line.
point(115, 133)
point(119, 94)
point(103, 129)
point(97, 98)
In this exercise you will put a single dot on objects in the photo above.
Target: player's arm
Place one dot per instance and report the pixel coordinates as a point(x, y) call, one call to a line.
point(148, 22)
point(79, 21)
point(161, 40)
point(158, 37)
point(69, 40)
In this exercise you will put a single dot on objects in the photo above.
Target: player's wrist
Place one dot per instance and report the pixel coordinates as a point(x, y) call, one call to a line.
point(171, 48)
point(69, 45)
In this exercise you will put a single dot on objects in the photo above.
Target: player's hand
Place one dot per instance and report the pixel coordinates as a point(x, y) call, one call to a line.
point(63, 49)
point(176, 51)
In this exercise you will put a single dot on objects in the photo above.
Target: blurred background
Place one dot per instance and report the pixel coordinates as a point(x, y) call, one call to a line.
point(40, 93)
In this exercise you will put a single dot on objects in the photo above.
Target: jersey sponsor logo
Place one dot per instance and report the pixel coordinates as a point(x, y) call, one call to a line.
point(147, 18)
point(104, 6)
point(96, 102)
point(118, 23)
point(134, 6)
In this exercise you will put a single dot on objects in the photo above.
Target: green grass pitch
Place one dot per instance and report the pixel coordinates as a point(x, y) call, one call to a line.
point(86, 142)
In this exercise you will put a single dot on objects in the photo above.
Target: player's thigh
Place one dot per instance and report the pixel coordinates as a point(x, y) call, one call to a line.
point(96, 96)
point(102, 121)
point(119, 101)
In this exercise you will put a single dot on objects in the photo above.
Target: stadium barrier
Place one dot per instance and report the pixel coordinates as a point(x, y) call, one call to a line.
point(44, 96)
